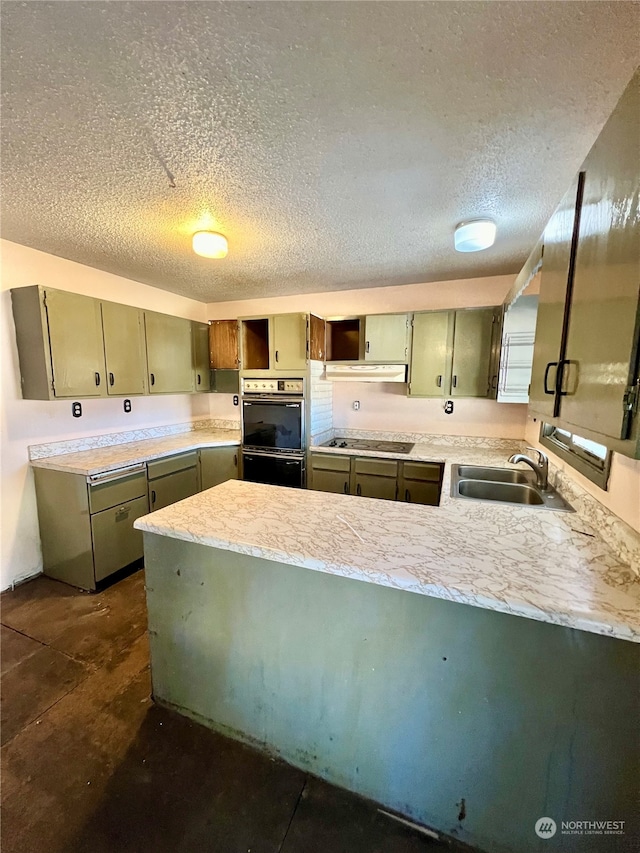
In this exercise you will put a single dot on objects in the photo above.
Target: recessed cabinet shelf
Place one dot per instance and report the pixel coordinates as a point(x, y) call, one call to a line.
point(255, 344)
point(343, 339)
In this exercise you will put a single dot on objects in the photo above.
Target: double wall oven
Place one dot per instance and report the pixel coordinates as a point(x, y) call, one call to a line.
point(273, 431)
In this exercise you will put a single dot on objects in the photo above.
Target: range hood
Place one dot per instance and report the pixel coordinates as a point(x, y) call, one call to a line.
point(366, 372)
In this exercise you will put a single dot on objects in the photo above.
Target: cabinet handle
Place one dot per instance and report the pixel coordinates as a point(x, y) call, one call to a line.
point(455, 380)
point(199, 378)
point(439, 380)
point(111, 379)
point(235, 459)
point(366, 346)
point(560, 377)
point(277, 356)
point(153, 496)
point(407, 495)
point(97, 378)
point(494, 382)
point(153, 378)
point(346, 487)
point(359, 490)
point(546, 377)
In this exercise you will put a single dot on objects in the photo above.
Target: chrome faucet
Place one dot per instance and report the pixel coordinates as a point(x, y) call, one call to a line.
point(540, 466)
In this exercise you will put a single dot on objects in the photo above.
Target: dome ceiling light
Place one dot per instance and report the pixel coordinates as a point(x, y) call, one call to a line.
point(475, 235)
point(210, 244)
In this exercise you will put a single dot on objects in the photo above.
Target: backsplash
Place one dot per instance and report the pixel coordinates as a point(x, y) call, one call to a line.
point(75, 445)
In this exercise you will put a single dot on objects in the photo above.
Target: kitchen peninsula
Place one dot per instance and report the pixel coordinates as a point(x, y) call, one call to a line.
point(337, 632)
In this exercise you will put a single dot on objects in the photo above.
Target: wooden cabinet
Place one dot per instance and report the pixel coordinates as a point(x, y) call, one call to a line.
point(169, 354)
point(386, 338)
point(455, 353)
point(217, 465)
point(224, 353)
point(200, 355)
point(377, 477)
point(123, 330)
point(586, 367)
point(60, 344)
point(281, 342)
point(172, 479)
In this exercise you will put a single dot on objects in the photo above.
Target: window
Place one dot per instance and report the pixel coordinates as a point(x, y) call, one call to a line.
point(589, 458)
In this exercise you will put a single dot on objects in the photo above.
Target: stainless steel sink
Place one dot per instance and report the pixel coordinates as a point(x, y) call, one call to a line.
point(510, 493)
point(503, 485)
point(495, 475)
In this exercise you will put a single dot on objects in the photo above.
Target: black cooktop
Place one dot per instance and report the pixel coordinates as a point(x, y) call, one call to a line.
point(371, 444)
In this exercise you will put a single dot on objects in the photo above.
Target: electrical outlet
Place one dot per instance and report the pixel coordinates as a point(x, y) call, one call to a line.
point(236, 401)
point(356, 404)
point(127, 405)
point(448, 407)
point(76, 410)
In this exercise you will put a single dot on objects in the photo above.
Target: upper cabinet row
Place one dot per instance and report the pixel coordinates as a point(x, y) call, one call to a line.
point(76, 346)
point(586, 365)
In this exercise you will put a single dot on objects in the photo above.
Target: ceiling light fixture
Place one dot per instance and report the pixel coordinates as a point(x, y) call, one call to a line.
point(210, 244)
point(475, 235)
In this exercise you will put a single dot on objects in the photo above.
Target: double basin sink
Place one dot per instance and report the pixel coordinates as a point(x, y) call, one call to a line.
point(504, 485)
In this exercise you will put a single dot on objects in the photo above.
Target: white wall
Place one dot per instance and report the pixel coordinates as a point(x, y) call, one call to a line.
point(385, 406)
point(27, 422)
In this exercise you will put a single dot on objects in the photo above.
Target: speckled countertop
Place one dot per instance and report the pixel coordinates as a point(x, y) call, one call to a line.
point(543, 565)
point(101, 459)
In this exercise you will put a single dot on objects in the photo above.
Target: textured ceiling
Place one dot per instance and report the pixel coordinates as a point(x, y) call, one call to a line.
point(335, 144)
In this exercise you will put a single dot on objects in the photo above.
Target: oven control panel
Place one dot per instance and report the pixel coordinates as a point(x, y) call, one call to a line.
point(272, 386)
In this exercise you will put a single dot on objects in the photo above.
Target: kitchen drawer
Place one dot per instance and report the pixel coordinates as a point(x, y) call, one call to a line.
point(160, 467)
point(377, 467)
point(115, 542)
point(117, 491)
point(327, 462)
point(422, 471)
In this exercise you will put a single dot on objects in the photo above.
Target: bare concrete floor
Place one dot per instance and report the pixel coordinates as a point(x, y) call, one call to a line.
point(89, 763)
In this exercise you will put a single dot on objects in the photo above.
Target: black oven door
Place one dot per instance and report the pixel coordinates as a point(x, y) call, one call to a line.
point(276, 469)
point(273, 424)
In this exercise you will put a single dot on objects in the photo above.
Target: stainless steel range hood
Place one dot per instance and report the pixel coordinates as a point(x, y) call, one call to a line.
point(366, 372)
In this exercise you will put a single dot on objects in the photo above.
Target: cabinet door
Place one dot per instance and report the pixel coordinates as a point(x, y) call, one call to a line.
point(217, 465)
point(77, 350)
point(421, 492)
point(431, 354)
point(386, 337)
point(551, 304)
point(223, 345)
point(472, 340)
point(200, 343)
point(369, 486)
point(172, 488)
point(606, 282)
point(115, 541)
point(168, 354)
point(330, 481)
point(123, 349)
point(289, 342)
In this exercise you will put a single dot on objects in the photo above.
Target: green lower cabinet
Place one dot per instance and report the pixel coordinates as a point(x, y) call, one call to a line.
point(173, 488)
point(217, 465)
point(330, 481)
point(421, 482)
point(369, 486)
point(115, 542)
point(417, 492)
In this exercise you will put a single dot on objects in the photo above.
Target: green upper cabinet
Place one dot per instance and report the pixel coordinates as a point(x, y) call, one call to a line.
point(430, 369)
point(60, 345)
point(473, 338)
point(454, 353)
point(289, 341)
point(586, 370)
point(554, 278)
point(169, 354)
point(386, 338)
point(123, 330)
point(200, 350)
